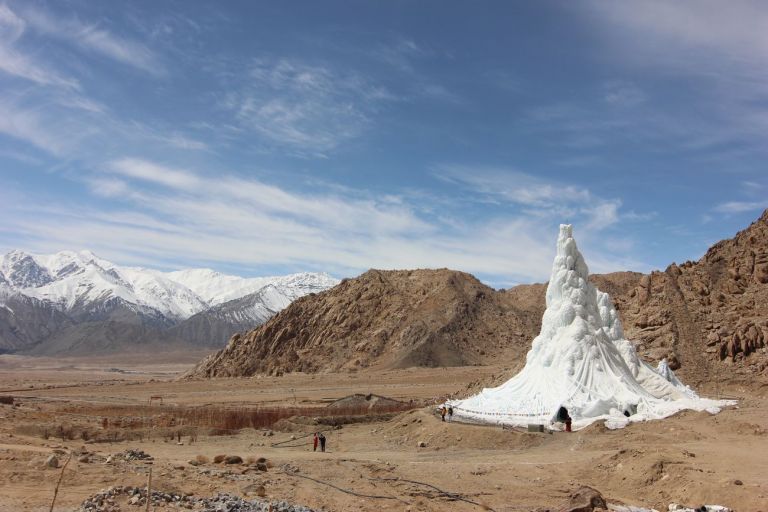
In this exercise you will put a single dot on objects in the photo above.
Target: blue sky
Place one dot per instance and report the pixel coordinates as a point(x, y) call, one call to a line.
point(269, 137)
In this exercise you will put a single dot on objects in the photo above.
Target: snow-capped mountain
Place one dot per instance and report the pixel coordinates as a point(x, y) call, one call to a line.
point(89, 289)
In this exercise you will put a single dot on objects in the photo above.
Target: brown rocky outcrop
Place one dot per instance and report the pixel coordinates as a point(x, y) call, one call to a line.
point(708, 318)
point(384, 319)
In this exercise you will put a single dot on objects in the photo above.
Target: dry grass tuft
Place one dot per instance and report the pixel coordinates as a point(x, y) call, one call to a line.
point(202, 459)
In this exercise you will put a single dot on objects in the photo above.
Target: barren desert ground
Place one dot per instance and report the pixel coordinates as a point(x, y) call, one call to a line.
point(691, 458)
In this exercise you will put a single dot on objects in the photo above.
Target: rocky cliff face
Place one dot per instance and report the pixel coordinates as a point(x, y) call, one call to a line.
point(708, 318)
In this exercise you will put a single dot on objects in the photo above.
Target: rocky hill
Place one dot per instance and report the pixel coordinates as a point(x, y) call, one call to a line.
point(386, 319)
point(709, 318)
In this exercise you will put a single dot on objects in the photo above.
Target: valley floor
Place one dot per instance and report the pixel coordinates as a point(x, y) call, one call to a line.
point(692, 458)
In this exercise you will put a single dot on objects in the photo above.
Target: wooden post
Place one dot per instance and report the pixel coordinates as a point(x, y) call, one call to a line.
point(149, 488)
point(61, 475)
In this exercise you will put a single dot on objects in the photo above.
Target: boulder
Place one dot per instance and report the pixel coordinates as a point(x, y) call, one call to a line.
point(585, 499)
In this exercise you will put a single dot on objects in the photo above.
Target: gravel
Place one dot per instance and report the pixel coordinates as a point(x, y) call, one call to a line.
point(117, 499)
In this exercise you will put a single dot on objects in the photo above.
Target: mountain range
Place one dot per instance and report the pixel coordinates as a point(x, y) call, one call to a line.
point(707, 318)
point(76, 303)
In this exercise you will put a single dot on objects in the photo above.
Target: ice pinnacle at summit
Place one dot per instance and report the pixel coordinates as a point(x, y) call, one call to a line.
point(581, 361)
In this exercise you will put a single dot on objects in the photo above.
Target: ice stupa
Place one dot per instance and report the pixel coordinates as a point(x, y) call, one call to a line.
point(581, 361)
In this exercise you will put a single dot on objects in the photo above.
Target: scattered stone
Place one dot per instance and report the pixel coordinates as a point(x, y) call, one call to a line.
point(233, 459)
point(52, 461)
point(104, 501)
point(738, 482)
point(130, 454)
point(84, 459)
point(421, 444)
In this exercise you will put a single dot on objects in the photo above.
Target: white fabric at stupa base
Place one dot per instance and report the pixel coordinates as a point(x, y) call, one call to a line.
point(581, 361)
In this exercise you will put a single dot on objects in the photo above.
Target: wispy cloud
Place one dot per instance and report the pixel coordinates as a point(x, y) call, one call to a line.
point(753, 198)
point(741, 206)
point(34, 127)
point(15, 62)
point(623, 94)
point(720, 47)
point(309, 109)
point(94, 38)
point(539, 197)
point(511, 185)
point(170, 213)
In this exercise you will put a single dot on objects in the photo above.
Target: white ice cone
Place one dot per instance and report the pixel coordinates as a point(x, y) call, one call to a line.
point(581, 361)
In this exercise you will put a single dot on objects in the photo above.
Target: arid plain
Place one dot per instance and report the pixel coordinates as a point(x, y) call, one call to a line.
point(99, 409)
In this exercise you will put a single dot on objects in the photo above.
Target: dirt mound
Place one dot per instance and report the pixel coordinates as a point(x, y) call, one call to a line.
point(383, 319)
point(708, 318)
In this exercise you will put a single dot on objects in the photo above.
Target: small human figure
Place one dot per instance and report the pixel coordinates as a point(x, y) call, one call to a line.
point(322, 442)
point(450, 413)
point(314, 443)
point(564, 417)
point(442, 413)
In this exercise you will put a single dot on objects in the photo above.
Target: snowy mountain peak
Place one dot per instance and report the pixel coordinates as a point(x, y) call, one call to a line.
point(21, 270)
point(80, 279)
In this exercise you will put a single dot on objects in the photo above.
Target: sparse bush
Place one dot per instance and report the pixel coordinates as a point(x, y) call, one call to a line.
point(202, 459)
point(250, 459)
point(219, 459)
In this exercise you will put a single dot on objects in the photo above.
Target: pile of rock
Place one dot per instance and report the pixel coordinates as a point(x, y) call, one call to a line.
point(109, 500)
point(132, 454)
point(231, 503)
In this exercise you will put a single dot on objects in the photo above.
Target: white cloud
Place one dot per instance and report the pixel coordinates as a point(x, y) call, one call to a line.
point(514, 186)
point(187, 217)
point(741, 206)
point(307, 109)
point(94, 38)
point(149, 171)
point(623, 94)
point(11, 26)
point(719, 48)
point(29, 125)
point(16, 63)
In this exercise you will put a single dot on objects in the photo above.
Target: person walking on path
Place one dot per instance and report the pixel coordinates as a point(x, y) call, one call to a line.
point(314, 443)
point(442, 413)
point(322, 442)
point(450, 413)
